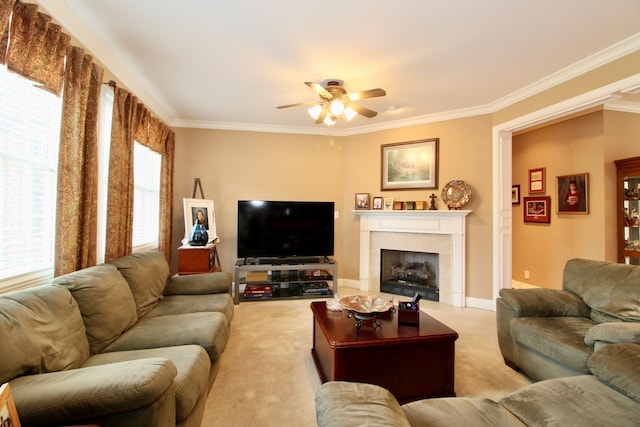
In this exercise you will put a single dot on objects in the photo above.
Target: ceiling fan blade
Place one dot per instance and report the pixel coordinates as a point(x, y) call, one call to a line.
point(323, 114)
point(298, 104)
point(371, 93)
point(363, 111)
point(319, 89)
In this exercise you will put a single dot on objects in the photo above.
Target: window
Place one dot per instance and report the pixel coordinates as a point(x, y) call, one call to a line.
point(29, 141)
point(146, 197)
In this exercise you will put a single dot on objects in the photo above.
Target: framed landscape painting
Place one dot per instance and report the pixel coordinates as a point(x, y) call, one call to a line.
point(410, 165)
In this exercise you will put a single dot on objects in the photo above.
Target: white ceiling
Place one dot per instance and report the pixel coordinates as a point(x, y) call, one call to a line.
point(228, 64)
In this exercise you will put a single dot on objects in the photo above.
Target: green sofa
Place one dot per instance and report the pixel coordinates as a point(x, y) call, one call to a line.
point(610, 396)
point(551, 333)
point(118, 344)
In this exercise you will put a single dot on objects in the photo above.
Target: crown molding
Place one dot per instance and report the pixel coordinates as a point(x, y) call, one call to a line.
point(140, 86)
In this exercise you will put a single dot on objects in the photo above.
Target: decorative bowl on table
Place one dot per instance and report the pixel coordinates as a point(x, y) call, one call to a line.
point(365, 308)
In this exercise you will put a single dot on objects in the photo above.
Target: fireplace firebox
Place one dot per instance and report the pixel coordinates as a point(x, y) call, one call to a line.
point(408, 272)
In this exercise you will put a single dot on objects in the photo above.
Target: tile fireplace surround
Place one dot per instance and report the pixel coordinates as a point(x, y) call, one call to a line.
point(441, 232)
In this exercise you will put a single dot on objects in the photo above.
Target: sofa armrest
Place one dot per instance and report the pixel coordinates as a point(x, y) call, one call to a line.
point(544, 302)
point(199, 284)
point(66, 397)
point(612, 333)
point(350, 404)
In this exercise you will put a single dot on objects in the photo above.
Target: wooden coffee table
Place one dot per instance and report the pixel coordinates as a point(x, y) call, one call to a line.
point(410, 361)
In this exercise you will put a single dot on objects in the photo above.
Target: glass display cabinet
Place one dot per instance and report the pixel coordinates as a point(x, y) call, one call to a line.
point(628, 187)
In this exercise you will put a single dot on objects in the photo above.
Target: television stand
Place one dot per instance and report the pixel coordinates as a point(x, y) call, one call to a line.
point(284, 278)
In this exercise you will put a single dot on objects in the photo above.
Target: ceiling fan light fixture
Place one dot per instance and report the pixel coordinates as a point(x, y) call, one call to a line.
point(336, 107)
point(315, 111)
point(349, 113)
point(329, 121)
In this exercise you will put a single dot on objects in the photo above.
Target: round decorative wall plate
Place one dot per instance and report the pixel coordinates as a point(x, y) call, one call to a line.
point(456, 194)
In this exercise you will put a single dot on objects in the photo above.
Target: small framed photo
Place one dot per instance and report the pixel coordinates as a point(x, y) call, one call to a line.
point(536, 181)
point(537, 209)
point(199, 210)
point(515, 194)
point(388, 204)
point(377, 203)
point(573, 194)
point(8, 412)
point(363, 201)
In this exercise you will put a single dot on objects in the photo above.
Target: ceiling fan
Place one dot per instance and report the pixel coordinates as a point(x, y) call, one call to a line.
point(336, 102)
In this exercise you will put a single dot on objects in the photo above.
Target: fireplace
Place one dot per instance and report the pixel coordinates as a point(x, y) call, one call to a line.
point(437, 232)
point(408, 272)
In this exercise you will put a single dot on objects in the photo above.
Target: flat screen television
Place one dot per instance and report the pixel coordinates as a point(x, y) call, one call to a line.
point(284, 229)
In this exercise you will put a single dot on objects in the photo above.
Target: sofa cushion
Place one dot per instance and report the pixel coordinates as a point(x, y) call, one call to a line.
point(609, 288)
point(618, 366)
point(208, 330)
point(345, 404)
point(177, 304)
point(572, 401)
point(559, 338)
point(192, 364)
point(147, 273)
point(105, 301)
point(458, 412)
point(42, 331)
point(79, 395)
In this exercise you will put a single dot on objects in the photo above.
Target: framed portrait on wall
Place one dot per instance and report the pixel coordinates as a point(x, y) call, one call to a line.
point(573, 194)
point(363, 201)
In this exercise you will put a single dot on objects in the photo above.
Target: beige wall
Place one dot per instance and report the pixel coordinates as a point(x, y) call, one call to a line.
point(236, 165)
point(464, 153)
point(252, 165)
point(585, 144)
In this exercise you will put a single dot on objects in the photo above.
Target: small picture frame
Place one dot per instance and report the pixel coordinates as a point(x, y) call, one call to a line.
point(363, 201)
point(8, 412)
point(537, 209)
point(388, 204)
point(515, 194)
point(199, 210)
point(536, 181)
point(573, 194)
point(377, 203)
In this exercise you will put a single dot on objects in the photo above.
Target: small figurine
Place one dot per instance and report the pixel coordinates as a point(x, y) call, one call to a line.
point(433, 202)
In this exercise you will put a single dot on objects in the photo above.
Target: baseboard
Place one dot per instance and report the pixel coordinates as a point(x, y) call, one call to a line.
point(521, 285)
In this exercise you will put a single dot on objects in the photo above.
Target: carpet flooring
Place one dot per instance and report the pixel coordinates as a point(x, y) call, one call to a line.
point(267, 376)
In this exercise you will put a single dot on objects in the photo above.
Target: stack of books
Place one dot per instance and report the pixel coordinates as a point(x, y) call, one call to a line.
point(258, 291)
point(316, 288)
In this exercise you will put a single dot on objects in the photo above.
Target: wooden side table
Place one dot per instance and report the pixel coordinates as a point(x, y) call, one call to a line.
point(198, 259)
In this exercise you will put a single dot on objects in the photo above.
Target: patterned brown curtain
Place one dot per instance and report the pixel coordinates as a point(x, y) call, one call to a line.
point(78, 165)
point(127, 114)
point(37, 47)
point(166, 139)
point(6, 8)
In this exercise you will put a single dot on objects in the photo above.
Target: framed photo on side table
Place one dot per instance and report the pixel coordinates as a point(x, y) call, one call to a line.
point(537, 209)
point(410, 165)
point(573, 194)
point(8, 412)
point(536, 181)
point(199, 210)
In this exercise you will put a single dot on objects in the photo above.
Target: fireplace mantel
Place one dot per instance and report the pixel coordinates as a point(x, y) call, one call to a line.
point(449, 225)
